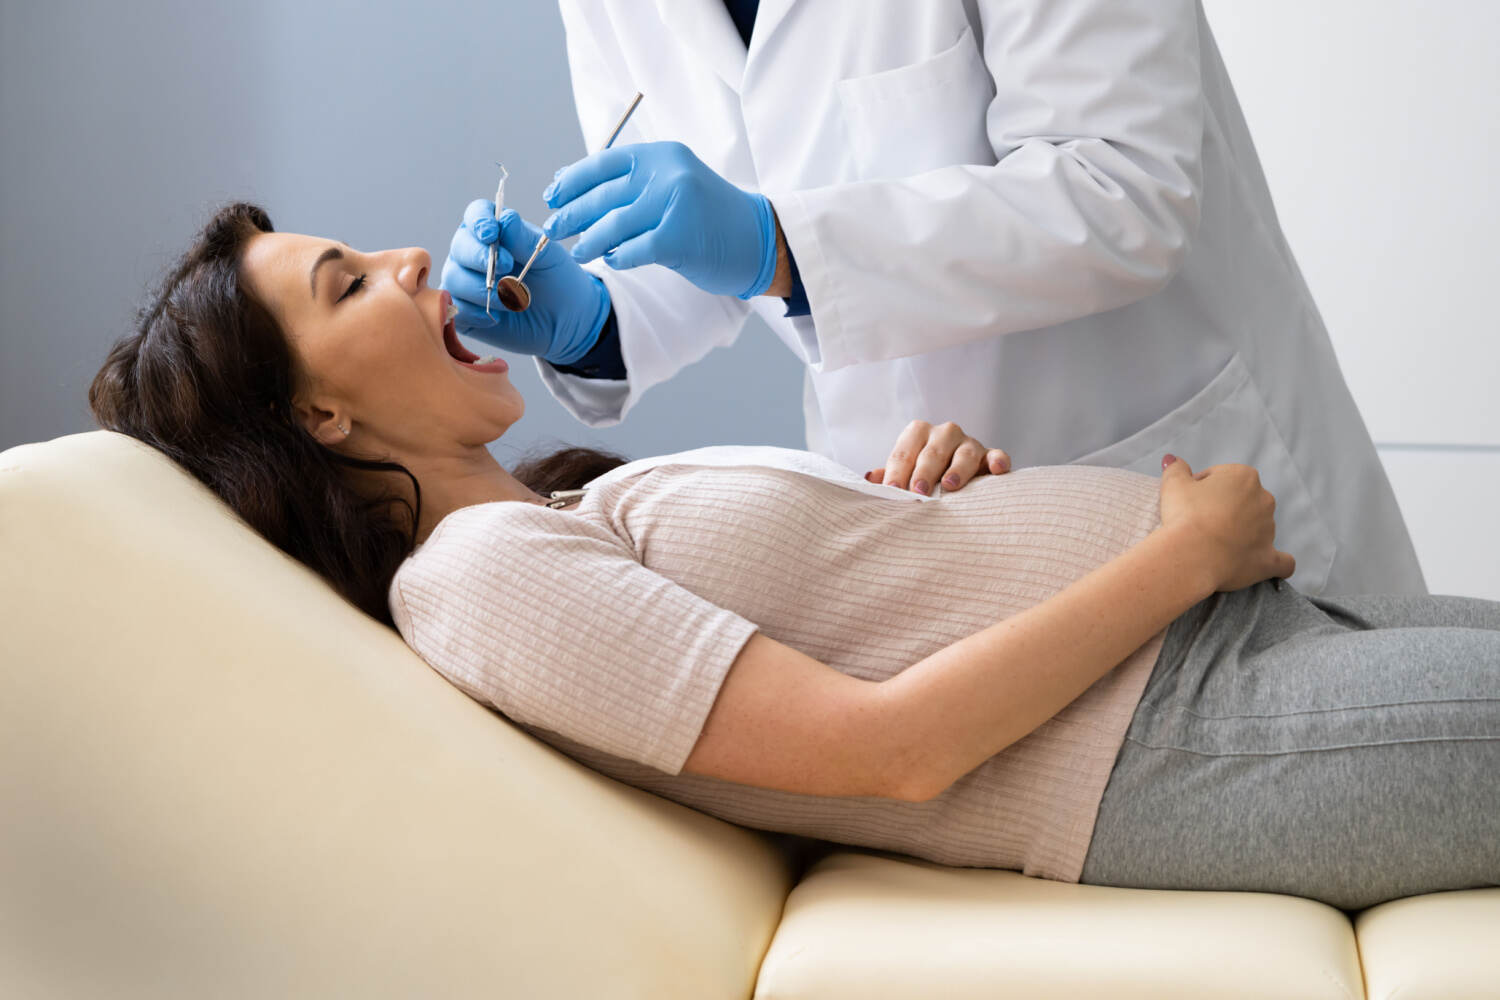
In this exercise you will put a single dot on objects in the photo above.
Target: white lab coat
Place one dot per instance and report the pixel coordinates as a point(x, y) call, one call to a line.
point(1043, 219)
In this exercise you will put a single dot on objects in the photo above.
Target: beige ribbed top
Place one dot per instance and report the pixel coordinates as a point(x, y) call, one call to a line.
point(606, 630)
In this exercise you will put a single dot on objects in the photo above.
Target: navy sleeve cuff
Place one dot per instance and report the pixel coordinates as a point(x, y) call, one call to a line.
point(604, 359)
point(796, 303)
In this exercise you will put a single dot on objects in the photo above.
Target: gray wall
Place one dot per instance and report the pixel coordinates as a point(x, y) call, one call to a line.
point(371, 122)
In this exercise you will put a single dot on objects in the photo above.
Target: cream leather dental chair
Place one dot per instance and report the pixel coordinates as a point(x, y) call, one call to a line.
point(219, 780)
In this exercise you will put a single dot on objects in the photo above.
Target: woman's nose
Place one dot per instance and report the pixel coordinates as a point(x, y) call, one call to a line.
point(415, 265)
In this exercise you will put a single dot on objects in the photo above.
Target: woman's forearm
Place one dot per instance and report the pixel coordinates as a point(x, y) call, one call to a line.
point(960, 706)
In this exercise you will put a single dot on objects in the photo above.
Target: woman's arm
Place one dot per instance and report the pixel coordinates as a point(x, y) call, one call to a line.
point(967, 702)
point(783, 720)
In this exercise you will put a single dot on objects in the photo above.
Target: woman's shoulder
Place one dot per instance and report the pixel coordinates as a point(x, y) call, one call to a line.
point(494, 547)
point(512, 522)
point(457, 527)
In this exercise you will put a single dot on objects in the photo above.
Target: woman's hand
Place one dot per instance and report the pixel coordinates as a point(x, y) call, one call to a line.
point(924, 454)
point(1230, 516)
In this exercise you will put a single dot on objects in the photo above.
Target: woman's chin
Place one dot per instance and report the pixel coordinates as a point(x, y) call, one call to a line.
point(515, 402)
point(489, 394)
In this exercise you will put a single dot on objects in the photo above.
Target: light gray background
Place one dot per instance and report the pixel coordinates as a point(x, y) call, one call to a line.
point(1378, 123)
point(121, 125)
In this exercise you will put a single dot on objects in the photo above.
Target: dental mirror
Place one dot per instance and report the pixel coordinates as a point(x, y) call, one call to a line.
point(512, 294)
point(511, 290)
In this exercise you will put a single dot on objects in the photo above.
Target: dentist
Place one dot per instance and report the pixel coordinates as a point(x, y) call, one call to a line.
point(1042, 219)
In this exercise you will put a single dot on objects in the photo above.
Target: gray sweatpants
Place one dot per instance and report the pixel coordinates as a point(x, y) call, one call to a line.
point(1345, 749)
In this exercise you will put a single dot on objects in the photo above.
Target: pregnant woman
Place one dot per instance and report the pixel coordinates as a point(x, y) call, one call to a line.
point(1081, 673)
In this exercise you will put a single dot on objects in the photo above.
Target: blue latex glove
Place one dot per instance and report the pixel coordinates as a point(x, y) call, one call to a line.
point(568, 305)
point(657, 203)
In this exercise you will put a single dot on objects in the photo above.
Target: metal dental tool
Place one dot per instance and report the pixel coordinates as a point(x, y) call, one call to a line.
point(489, 271)
point(512, 292)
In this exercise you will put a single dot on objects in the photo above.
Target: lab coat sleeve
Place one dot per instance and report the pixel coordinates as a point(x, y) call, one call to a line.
point(1097, 128)
point(665, 322)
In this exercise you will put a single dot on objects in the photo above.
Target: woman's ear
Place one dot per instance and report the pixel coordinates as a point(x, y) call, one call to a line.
point(327, 427)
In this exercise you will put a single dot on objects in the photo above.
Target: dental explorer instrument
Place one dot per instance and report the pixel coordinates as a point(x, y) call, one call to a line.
point(489, 271)
point(511, 291)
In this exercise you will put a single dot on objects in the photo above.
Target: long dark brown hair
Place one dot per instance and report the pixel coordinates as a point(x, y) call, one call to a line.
point(207, 378)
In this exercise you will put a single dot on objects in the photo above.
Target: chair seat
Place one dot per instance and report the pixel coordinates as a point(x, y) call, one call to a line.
point(1445, 946)
point(867, 926)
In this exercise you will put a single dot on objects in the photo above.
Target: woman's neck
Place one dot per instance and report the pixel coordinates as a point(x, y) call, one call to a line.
point(451, 484)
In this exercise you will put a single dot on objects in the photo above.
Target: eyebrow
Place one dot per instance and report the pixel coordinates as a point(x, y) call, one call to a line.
point(332, 253)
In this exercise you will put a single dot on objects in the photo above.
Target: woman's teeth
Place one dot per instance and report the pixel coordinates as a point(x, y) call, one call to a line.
point(452, 310)
point(488, 360)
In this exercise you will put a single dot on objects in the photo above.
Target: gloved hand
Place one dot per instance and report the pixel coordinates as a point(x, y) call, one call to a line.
point(657, 203)
point(568, 305)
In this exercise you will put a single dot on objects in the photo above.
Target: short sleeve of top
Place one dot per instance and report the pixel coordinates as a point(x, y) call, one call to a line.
point(553, 620)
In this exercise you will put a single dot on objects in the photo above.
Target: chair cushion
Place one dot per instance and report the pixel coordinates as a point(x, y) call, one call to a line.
point(872, 926)
point(219, 779)
point(1445, 946)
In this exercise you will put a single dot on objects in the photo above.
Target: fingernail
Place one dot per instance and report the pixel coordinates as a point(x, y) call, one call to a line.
point(485, 230)
point(549, 192)
point(921, 487)
point(1168, 460)
point(950, 482)
point(1005, 465)
point(550, 225)
point(868, 475)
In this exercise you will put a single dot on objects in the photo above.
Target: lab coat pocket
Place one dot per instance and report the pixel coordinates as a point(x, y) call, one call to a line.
point(922, 116)
point(1227, 421)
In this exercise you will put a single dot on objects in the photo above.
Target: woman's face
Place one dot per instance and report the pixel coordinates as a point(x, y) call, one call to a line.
point(374, 349)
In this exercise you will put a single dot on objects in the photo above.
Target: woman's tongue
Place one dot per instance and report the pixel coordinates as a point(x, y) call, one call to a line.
point(466, 357)
point(455, 348)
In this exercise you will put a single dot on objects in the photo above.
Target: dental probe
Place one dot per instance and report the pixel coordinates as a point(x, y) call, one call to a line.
point(513, 294)
point(489, 271)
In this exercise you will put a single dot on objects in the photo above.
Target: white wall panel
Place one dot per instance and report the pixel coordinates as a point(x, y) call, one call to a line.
point(1378, 124)
point(1451, 501)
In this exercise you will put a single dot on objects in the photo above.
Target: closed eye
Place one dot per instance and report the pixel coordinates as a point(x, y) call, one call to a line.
point(354, 286)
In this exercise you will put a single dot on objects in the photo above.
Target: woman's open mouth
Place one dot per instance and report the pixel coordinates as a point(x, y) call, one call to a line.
point(461, 354)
